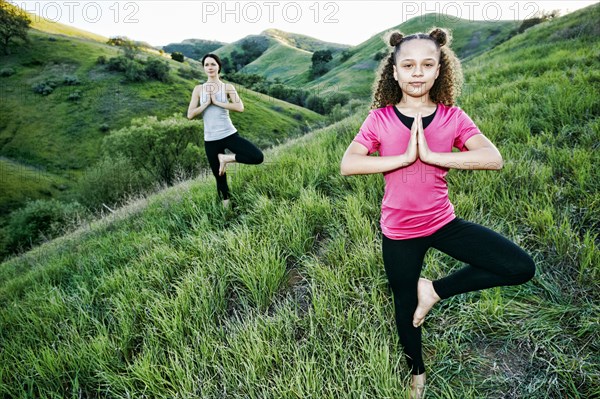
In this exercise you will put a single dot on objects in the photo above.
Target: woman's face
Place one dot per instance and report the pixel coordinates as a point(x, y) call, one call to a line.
point(417, 67)
point(211, 68)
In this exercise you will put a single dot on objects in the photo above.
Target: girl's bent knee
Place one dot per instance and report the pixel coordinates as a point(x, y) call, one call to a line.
point(260, 158)
point(527, 269)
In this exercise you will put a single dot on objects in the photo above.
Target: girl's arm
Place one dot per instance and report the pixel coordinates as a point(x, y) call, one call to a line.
point(193, 109)
point(236, 103)
point(356, 160)
point(481, 154)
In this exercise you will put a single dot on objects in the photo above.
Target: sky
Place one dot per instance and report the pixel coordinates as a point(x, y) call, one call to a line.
point(160, 22)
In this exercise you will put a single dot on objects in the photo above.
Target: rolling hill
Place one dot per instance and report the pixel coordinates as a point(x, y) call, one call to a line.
point(357, 74)
point(59, 138)
point(285, 295)
point(295, 49)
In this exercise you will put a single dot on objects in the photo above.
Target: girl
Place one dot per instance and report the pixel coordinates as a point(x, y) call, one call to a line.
point(413, 126)
point(219, 132)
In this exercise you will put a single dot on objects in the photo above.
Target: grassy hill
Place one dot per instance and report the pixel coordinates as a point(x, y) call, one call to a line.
point(194, 48)
point(294, 48)
point(61, 137)
point(357, 74)
point(285, 296)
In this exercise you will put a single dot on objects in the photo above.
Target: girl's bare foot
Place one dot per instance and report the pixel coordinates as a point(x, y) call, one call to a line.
point(226, 204)
point(224, 159)
point(417, 387)
point(427, 298)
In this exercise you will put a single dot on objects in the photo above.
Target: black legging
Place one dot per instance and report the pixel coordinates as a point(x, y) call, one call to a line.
point(245, 152)
point(492, 261)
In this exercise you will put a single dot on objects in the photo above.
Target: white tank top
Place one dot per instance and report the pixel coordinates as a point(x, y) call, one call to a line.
point(217, 123)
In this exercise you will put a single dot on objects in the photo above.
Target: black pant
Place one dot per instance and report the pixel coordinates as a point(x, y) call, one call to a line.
point(492, 261)
point(245, 152)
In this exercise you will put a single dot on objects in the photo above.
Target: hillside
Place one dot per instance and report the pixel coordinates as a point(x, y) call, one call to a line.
point(295, 49)
point(62, 138)
point(194, 48)
point(357, 74)
point(285, 295)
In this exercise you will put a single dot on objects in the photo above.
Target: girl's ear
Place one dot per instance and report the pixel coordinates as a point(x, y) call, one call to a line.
point(437, 73)
point(395, 73)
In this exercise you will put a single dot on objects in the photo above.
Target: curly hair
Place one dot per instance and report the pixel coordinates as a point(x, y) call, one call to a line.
point(446, 87)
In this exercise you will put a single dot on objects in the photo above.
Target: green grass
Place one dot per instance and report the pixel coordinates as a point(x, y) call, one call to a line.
point(64, 137)
point(285, 296)
point(22, 182)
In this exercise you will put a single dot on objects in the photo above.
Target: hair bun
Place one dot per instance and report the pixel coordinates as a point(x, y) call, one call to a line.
point(396, 38)
point(441, 36)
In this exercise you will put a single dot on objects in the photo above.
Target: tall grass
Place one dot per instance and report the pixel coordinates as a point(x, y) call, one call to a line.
point(285, 295)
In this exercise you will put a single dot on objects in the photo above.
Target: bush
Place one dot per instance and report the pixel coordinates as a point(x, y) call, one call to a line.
point(381, 55)
point(135, 72)
point(41, 220)
point(159, 147)
point(104, 127)
point(118, 64)
point(346, 54)
point(110, 181)
point(4, 72)
point(177, 56)
point(157, 70)
point(44, 88)
point(101, 60)
point(76, 95)
point(70, 80)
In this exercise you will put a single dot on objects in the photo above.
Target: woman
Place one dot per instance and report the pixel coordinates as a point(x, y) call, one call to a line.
point(219, 132)
point(414, 127)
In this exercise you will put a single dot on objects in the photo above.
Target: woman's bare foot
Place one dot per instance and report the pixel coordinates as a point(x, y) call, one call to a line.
point(226, 204)
point(417, 387)
point(427, 298)
point(224, 159)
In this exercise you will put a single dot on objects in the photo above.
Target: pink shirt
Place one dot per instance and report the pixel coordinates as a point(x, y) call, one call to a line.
point(415, 203)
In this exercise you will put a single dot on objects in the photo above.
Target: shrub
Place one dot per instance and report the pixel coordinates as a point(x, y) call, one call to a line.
point(135, 72)
point(109, 182)
point(177, 56)
point(101, 60)
point(157, 70)
point(4, 72)
point(44, 88)
point(158, 146)
point(41, 220)
point(70, 80)
point(76, 95)
point(118, 64)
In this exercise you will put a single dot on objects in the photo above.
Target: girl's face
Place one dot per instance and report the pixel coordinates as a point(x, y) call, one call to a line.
point(211, 68)
point(417, 67)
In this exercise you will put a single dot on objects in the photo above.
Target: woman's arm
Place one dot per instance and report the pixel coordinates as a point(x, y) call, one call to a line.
point(236, 103)
point(193, 109)
point(356, 160)
point(481, 154)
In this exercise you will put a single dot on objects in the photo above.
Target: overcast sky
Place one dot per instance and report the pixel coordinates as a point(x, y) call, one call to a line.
point(160, 22)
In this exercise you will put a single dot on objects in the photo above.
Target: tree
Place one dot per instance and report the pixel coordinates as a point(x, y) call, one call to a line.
point(177, 56)
point(320, 58)
point(14, 23)
point(539, 17)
